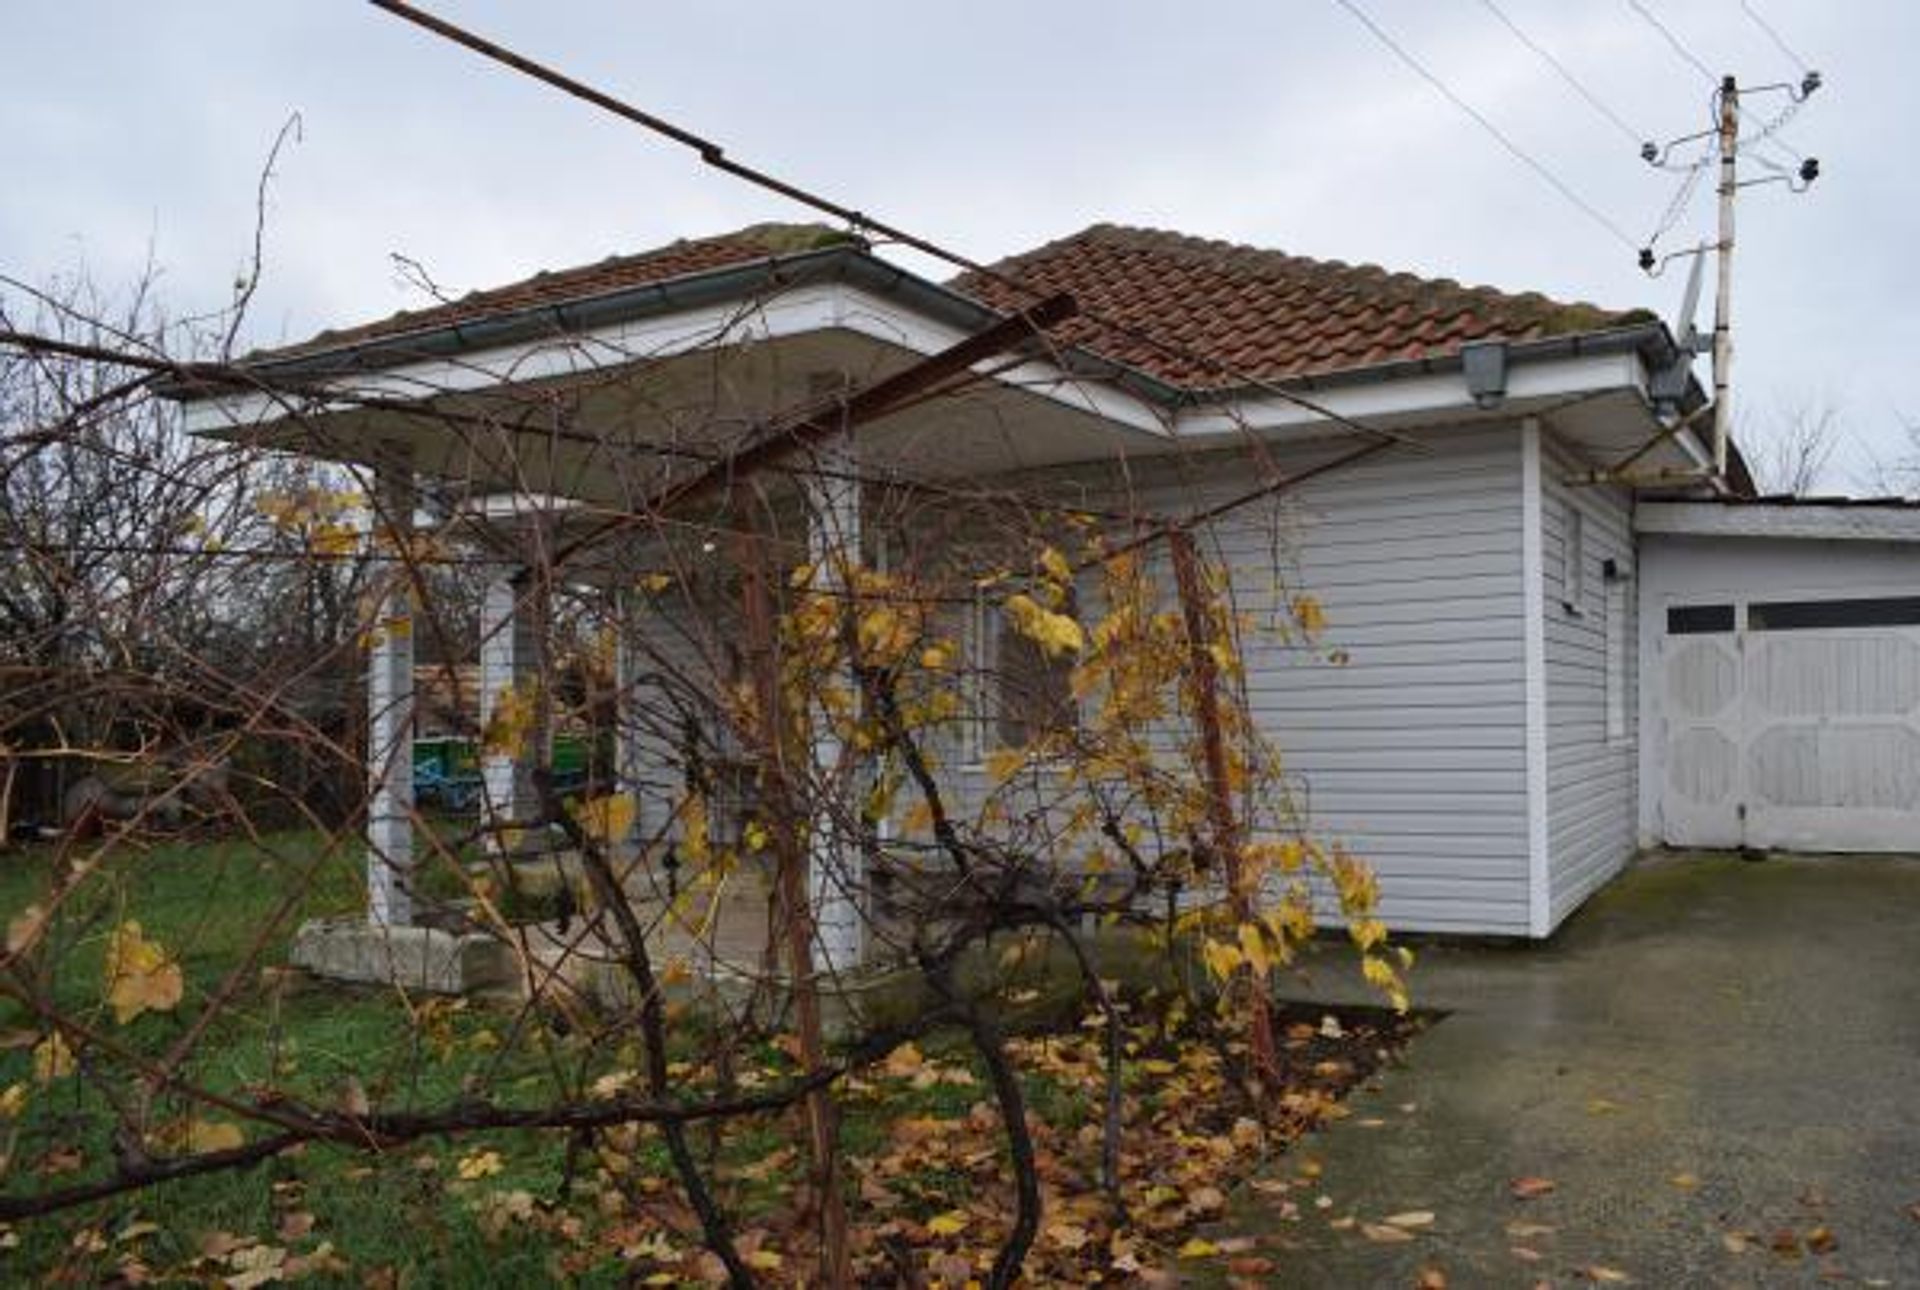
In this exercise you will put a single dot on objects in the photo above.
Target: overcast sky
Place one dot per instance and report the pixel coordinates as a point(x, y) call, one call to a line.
point(990, 126)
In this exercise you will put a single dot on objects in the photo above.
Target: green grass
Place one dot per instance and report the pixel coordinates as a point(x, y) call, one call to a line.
point(212, 905)
point(225, 910)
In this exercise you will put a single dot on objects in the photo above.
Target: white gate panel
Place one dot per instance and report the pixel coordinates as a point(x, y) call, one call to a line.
point(1781, 732)
point(1833, 733)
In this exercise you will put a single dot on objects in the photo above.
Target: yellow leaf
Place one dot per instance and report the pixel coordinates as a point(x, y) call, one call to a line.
point(13, 1101)
point(1223, 960)
point(951, 1223)
point(52, 1059)
point(213, 1135)
point(655, 583)
point(1308, 613)
point(1056, 565)
point(1004, 763)
point(606, 819)
point(480, 1164)
point(1054, 633)
point(764, 1260)
point(139, 975)
point(1198, 1248)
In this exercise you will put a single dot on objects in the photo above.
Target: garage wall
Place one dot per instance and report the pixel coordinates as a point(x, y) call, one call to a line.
point(1592, 673)
point(1730, 569)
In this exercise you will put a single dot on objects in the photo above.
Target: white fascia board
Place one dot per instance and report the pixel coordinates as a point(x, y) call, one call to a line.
point(1425, 396)
point(1799, 520)
point(817, 308)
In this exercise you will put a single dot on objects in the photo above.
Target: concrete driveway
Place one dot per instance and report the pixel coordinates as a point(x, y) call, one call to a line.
point(1715, 1056)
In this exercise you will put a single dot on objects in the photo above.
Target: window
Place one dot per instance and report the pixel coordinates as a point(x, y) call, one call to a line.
point(1014, 692)
point(1699, 620)
point(1616, 664)
point(1802, 615)
point(1573, 557)
point(1034, 692)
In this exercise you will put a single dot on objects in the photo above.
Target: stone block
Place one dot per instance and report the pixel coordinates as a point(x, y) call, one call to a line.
point(428, 959)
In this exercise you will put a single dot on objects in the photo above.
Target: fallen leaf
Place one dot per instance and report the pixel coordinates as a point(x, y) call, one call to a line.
point(1529, 1187)
point(1685, 1181)
point(951, 1223)
point(1736, 1242)
point(1250, 1265)
point(1604, 1275)
point(1412, 1218)
point(1602, 1106)
point(1431, 1279)
point(213, 1135)
point(1821, 1240)
point(52, 1059)
point(480, 1164)
point(1524, 1254)
point(1784, 1241)
point(1527, 1231)
point(140, 977)
point(1385, 1234)
point(1198, 1248)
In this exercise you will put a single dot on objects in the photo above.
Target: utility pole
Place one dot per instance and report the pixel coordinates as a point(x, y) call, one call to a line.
point(1672, 381)
point(1723, 284)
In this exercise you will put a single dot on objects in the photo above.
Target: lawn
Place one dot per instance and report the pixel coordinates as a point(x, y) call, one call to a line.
point(925, 1168)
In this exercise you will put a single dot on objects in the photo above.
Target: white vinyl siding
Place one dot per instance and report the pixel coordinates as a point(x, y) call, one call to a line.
point(1412, 753)
point(1591, 675)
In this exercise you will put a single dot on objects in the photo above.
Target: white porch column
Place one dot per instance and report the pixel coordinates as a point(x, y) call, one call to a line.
point(835, 872)
point(506, 668)
point(390, 711)
point(629, 756)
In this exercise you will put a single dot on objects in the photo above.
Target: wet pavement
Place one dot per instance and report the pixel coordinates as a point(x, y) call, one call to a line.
point(1710, 1076)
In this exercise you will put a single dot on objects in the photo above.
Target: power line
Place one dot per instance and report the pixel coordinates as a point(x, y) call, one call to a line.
point(714, 155)
point(1499, 136)
point(1778, 42)
point(1594, 101)
point(1673, 42)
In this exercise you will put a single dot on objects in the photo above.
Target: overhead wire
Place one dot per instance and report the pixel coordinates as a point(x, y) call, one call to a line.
point(1499, 136)
point(1674, 42)
point(1773, 35)
point(713, 154)
point(1593, 100)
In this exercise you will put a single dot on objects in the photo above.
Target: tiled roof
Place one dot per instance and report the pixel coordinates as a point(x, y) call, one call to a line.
point(681, 259)
point(1265, 314)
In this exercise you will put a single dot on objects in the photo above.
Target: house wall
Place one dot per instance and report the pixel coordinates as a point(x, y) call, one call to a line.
point(1590, 635)
point(1412, 752)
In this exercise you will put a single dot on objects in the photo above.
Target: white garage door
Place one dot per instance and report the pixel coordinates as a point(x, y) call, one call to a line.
point(1792, 724)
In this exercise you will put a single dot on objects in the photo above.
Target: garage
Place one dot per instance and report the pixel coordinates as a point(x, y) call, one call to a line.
point(1780, 646)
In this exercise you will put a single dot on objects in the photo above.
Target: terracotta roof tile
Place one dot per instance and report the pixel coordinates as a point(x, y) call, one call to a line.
point(1265, 314)
point(680, 259)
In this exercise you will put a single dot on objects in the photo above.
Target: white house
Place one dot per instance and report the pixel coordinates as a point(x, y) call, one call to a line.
point(1546, 667)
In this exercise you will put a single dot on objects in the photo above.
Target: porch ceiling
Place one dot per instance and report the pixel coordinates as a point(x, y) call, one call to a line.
point(614, 436)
